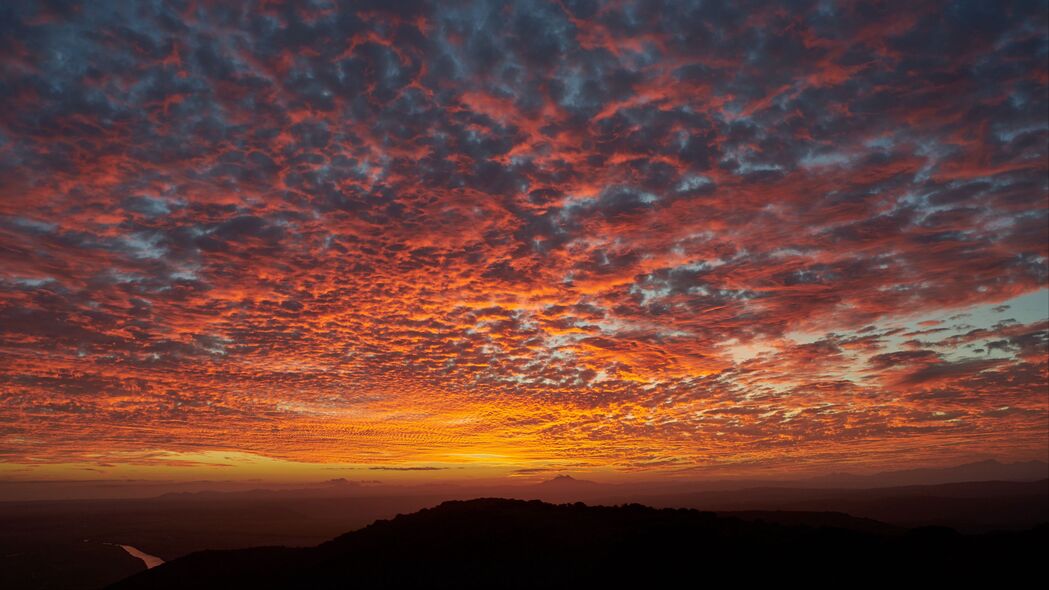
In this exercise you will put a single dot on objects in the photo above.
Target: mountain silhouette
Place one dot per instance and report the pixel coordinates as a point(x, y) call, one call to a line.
point(968, 506)
point(565, 481)
point(989, 470)
point(497, 543)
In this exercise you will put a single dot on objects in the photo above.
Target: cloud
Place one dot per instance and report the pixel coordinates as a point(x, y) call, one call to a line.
point(424, 468)
point(411, 232)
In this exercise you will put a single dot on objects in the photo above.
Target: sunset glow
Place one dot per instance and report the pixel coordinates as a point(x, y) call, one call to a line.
point(469, 240)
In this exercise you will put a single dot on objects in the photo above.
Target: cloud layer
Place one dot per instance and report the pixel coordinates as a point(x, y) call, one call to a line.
point(628, 235)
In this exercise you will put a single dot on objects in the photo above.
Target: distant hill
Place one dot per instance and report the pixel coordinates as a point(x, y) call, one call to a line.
point(990, 470)
point(969, 506)
point(496, 543)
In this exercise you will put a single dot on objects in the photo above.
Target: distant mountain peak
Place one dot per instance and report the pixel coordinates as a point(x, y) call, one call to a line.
point(987, 462)
point(564, 479)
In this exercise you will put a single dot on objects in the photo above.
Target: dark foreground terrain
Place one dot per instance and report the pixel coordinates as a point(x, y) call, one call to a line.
point(74, 544)
point(498, 543)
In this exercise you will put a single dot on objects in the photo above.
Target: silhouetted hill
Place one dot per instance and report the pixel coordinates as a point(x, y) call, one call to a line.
point(989, 470)
point(969, 506)
point(816, 519)
point(495, 543)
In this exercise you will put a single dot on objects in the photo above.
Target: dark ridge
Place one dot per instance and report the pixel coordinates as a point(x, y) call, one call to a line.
point(497, 543)
point(816, 519)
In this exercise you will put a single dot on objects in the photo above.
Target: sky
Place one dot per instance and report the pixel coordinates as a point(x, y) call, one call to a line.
point(411, 241)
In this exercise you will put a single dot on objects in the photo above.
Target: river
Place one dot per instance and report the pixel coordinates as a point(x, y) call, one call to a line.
point(151, 561)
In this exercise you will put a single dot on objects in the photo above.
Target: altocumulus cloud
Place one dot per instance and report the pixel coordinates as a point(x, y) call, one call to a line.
point(376, 232)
